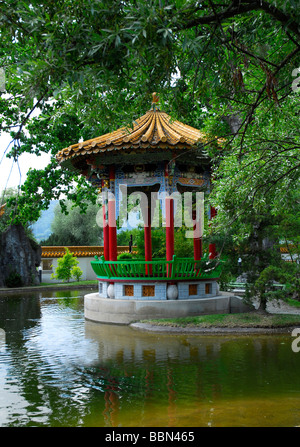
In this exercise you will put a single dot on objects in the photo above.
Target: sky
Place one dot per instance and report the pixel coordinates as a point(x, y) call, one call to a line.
point(13, 174)
point(10, 174)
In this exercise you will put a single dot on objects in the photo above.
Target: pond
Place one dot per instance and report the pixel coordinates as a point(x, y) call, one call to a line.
point(56, 369)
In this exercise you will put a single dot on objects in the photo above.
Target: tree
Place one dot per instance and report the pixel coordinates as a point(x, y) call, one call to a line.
point(286, 274)
point(65, 267)
point(7, 210)
point(224, 66)
point(227, 67)
point(76, 272)
point(73, 227)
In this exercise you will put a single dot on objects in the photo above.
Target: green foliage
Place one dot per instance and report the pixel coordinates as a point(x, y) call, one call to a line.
point(8, 197)
point(246, 320)
point(76, 272)
point(285, 274)
point(158, 240)
point(13, 279)
point(183, 246)
point(222, 66)
point(75, 227)
point(125, 256)
point(65, 267)
point(123, 237)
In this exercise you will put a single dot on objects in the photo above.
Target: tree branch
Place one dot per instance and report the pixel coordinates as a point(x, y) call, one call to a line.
point(242, 7)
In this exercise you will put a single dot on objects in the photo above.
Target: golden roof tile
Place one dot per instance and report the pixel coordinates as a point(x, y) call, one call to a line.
point(2, 209)
point(77, 251)
point(152, 130)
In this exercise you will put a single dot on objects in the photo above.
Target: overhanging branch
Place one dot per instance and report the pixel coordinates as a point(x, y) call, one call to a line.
point(242, 7)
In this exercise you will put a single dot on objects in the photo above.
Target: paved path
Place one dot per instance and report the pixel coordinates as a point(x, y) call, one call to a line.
point(280, 307)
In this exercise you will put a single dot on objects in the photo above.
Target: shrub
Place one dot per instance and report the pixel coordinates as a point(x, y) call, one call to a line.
point(64, 267)
point(13, 279)
point(76, 272)
point(124, 256)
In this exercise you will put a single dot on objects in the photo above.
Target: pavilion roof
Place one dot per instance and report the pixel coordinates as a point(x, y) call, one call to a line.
point(153, 130)
point(2, 209)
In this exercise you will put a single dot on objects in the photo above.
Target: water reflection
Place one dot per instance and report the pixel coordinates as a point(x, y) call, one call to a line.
point(194, 380)
point(126, 345)
point(2, 340)
point(56, 369)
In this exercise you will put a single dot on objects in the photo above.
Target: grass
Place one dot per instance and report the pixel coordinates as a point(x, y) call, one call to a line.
point(60, 284)
point(246, 320)
point(293, 303)
point(71, 283)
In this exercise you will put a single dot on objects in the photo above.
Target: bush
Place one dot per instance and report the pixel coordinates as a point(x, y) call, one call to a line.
point(76, 272)
point(65, 265)
point(125, 256)
point(284, 273)
point(13, 280)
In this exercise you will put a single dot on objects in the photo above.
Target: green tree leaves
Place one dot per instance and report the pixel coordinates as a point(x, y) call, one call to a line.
point(223, 66)
point(75, 227)
point(67, 266)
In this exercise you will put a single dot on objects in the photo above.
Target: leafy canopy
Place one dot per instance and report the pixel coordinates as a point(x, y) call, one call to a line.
point(87, 66)
point(73, 227)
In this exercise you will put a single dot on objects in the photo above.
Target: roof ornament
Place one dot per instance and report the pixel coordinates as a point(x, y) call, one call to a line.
point(2, 209)
point(155, 101)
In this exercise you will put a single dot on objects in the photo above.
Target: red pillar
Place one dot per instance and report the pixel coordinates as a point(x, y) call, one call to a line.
point(197, 238)
point(169, 230)
point(112, 230)
point(105, 227)
point(112, 227)
point(147, 239)
point(212, 247)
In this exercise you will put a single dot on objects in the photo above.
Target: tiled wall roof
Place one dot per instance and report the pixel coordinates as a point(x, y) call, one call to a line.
point(78, 251)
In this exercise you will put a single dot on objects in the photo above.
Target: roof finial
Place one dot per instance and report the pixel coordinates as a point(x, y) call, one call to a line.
point(155, 100)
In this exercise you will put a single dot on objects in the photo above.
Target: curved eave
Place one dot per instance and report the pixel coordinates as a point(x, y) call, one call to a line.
point(154, 130)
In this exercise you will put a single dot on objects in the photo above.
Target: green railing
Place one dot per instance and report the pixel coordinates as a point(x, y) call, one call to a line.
point(156, 270)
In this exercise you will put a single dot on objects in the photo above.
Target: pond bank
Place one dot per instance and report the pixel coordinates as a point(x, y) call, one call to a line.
point(218, 324)
point(147, 327)
point(40, 288)
point(280, 318)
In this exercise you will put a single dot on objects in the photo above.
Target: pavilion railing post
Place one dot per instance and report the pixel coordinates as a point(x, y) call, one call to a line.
point(105, 267)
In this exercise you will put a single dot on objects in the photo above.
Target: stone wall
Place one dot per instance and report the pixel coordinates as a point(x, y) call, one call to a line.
point(19, 254)
point(116, 311)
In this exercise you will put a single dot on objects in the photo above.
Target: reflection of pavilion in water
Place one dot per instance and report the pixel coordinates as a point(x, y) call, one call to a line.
point(122, 344)
point(172, 380)
point(147, 359)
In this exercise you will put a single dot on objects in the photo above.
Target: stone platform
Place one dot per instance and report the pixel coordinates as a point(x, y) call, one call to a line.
point(120, 311)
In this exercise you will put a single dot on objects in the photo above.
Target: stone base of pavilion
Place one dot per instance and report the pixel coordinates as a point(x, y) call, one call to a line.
point(125, 311)
point(158, 290)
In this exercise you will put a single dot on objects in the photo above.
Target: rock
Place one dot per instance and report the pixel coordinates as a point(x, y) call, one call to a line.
point(242, 278)
point(19, 254)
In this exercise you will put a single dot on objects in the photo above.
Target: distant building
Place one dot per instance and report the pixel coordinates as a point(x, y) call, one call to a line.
point(289, 255)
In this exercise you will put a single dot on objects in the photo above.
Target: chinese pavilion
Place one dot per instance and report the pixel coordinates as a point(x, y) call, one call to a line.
point(157, 157)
